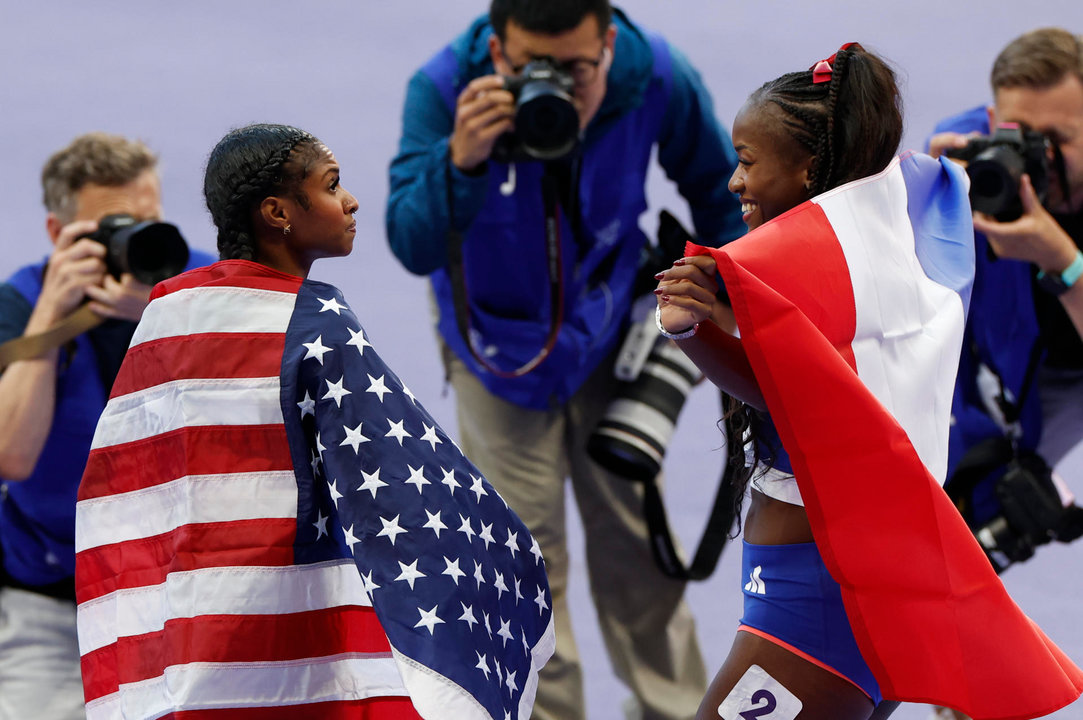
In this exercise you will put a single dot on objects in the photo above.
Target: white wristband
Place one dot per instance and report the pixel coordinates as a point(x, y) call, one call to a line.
point(666, 333)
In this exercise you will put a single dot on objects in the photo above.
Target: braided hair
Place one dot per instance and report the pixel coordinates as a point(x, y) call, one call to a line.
point(246, 166)
point(851, 125)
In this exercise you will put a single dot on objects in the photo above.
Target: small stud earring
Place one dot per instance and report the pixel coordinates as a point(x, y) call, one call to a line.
point(286, 230)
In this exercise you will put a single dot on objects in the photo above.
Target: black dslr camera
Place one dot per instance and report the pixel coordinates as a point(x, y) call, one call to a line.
point(151, 251)
point(546, 121)
point(1030, 510)
point(995, 165)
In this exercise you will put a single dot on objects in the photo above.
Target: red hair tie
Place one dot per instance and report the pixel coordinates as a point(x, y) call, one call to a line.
point(821, 71)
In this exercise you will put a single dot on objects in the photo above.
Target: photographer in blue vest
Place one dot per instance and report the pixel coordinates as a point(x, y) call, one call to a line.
point(517, 188)
point(1018, 405)
point(103, 198)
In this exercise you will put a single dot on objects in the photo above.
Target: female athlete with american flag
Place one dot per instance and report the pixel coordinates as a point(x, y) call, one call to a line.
point(270, 524)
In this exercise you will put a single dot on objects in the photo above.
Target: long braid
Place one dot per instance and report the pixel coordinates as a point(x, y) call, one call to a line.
point(838, 74)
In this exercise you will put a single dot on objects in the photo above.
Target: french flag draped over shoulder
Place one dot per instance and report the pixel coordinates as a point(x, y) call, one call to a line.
point(271, 526)
point(851, 309)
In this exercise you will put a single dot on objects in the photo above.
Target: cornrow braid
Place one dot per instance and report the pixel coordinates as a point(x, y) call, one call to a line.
point(806, 125)
point(234, 238)
point(804, 107)
point(246, 166)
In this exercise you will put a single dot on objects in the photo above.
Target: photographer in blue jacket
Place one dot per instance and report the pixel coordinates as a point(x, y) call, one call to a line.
point(517, 188)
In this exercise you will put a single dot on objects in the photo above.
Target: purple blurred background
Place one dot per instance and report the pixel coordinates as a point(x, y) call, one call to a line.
point(179, 75)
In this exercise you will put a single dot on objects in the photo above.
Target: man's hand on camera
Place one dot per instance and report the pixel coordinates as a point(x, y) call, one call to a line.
point(123, 299)
point(942, 142)
point(74, 266)
point(1035, 237)
point(484, 112)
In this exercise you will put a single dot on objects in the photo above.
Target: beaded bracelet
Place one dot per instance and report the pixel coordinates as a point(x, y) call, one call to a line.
point(666, 333)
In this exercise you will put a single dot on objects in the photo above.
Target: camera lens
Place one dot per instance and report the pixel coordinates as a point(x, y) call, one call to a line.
point(1002, 545)
point(994, 181)
point(989, 182)
point(150, 251)
point(631, 439)
point(546, 122)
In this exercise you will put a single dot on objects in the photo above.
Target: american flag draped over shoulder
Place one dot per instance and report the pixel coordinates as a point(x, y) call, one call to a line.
point(270, 525)
point(851, 310)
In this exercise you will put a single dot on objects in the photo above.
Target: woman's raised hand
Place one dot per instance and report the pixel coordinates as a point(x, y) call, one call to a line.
point(687, 292)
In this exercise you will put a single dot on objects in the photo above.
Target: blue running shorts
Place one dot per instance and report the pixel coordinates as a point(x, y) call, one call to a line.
point(792, 600)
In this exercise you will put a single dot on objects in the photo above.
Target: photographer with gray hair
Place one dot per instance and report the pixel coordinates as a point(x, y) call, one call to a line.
point(50, 400)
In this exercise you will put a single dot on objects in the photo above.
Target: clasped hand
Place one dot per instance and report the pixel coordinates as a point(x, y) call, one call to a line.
point(687, 293)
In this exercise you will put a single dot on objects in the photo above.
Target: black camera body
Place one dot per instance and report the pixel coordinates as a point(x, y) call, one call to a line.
point(1030, 512)
point(150, 251)
point(546, 121)
point(995, 165)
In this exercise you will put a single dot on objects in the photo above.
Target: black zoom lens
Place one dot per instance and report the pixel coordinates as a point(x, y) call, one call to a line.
point(994, 182)
point(151, 251)
point(1002, 545)
point(546, 122)
point(997, 164)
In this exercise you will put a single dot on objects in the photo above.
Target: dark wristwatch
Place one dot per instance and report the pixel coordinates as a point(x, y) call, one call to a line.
point(1058, 283)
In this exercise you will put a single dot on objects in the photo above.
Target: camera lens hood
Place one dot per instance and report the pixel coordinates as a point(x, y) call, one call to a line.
point(994, 181)
point(152, 251)
point(546, 122)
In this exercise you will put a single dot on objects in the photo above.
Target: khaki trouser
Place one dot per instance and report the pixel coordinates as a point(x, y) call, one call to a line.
point(39, 658)
point(647, 627)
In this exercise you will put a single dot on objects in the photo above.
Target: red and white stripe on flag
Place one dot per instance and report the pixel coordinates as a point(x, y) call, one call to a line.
point(189, 602)
point(851, 309)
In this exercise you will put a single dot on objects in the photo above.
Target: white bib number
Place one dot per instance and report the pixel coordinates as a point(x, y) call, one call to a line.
point(758, 696)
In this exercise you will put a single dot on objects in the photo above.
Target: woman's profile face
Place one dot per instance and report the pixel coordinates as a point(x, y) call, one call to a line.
point(323, 226)
point(772, 168)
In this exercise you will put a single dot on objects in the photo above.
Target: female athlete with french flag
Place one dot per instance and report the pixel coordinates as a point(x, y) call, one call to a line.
point(841, 332)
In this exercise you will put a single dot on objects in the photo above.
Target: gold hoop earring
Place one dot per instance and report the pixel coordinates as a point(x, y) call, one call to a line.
point(286, 230)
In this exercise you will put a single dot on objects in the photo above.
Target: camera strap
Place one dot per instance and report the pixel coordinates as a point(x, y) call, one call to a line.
point(554, 263)
point(664, 546)
point(989, 454)
point(1013, 410)
point(719, 523)
point(29, 347)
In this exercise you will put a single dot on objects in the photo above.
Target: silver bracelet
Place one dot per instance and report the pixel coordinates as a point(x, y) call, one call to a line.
point(666, 333)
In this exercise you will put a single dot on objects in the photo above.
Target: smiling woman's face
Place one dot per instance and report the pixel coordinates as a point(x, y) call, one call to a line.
point(772, 171)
